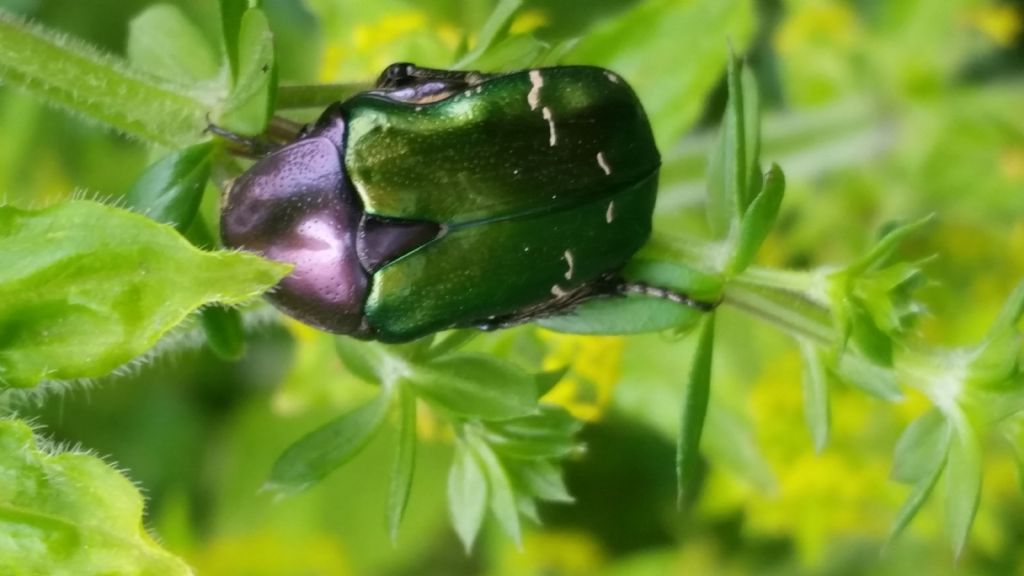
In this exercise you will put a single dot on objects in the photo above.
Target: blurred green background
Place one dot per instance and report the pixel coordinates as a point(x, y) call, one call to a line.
point(878, 110)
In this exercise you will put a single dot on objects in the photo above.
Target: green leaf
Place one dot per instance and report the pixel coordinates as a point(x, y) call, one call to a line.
point(371, 362)
point(644, 45)
point(512, 53)
point(317, 454)
point(503, 499)
point(963, 484)
point(759, 219)
point(548, 434)
point(224, 331)
point(921, 448)
point(1011, 311)
point(99, 86)
point(816, 396)
point(405, 462)
point(541, 479)
point(729, 442)
point(69, 513)
point(84, 288)
point(251, 102)
point(876, 380)
point(231, 12)
point(882, 252)
point(495, 28)
point(672, 274)
point(695, 407)
point(476, 386)
point(869, 340)
point(751, 136)
point(548, 379)
point(162, 41)
point(467, 494)
point(451, 341)
point(632, 314)
point(996, 363)
point(170, 190)
point(918, 496)
point(727, 174)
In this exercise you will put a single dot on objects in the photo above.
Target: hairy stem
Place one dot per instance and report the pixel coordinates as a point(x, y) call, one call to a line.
point(792, 311)
point(316, 96)
point(71, 75)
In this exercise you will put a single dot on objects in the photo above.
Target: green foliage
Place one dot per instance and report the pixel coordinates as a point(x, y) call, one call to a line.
point(250, 102)
point(695, 407)
point(85, 287)
point(320, 452)
point(133, 102)
point(67, 513)
point(170, 190)
point(163, 41)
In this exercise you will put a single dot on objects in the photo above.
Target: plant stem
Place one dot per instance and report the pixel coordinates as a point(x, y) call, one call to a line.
point(793, 312)
point(77, 77)
point(315, 96)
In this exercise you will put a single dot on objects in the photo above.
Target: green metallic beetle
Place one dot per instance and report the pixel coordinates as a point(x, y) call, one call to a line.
point(447, 199)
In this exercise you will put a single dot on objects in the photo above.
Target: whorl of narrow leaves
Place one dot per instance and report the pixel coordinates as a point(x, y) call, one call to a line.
point(71, 514)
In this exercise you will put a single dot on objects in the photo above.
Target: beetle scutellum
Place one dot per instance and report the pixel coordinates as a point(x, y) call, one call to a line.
point(446, 199)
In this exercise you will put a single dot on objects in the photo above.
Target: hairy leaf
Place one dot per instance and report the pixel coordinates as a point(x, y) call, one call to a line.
point(71, 514)
point(85, 287)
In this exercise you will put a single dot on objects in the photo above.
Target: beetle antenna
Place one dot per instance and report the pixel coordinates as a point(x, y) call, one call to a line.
point(665, 294)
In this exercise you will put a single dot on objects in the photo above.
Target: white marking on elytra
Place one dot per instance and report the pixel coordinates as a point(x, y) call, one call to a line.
point(609, 214)
point(536, 81)
point(568, 260)
point(603, 164)
point(611, 76)
point(553, 138)
point(557, 291)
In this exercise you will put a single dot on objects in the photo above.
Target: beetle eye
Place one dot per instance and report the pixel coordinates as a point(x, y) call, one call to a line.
point(296, 206)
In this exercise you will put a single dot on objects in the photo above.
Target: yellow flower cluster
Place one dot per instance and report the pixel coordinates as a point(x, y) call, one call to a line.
point(1001, 23)
point(594, 368)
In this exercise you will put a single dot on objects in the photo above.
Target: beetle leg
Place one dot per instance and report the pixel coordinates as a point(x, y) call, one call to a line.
point(244, 145)
point(665, 294)
point(285, 130)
